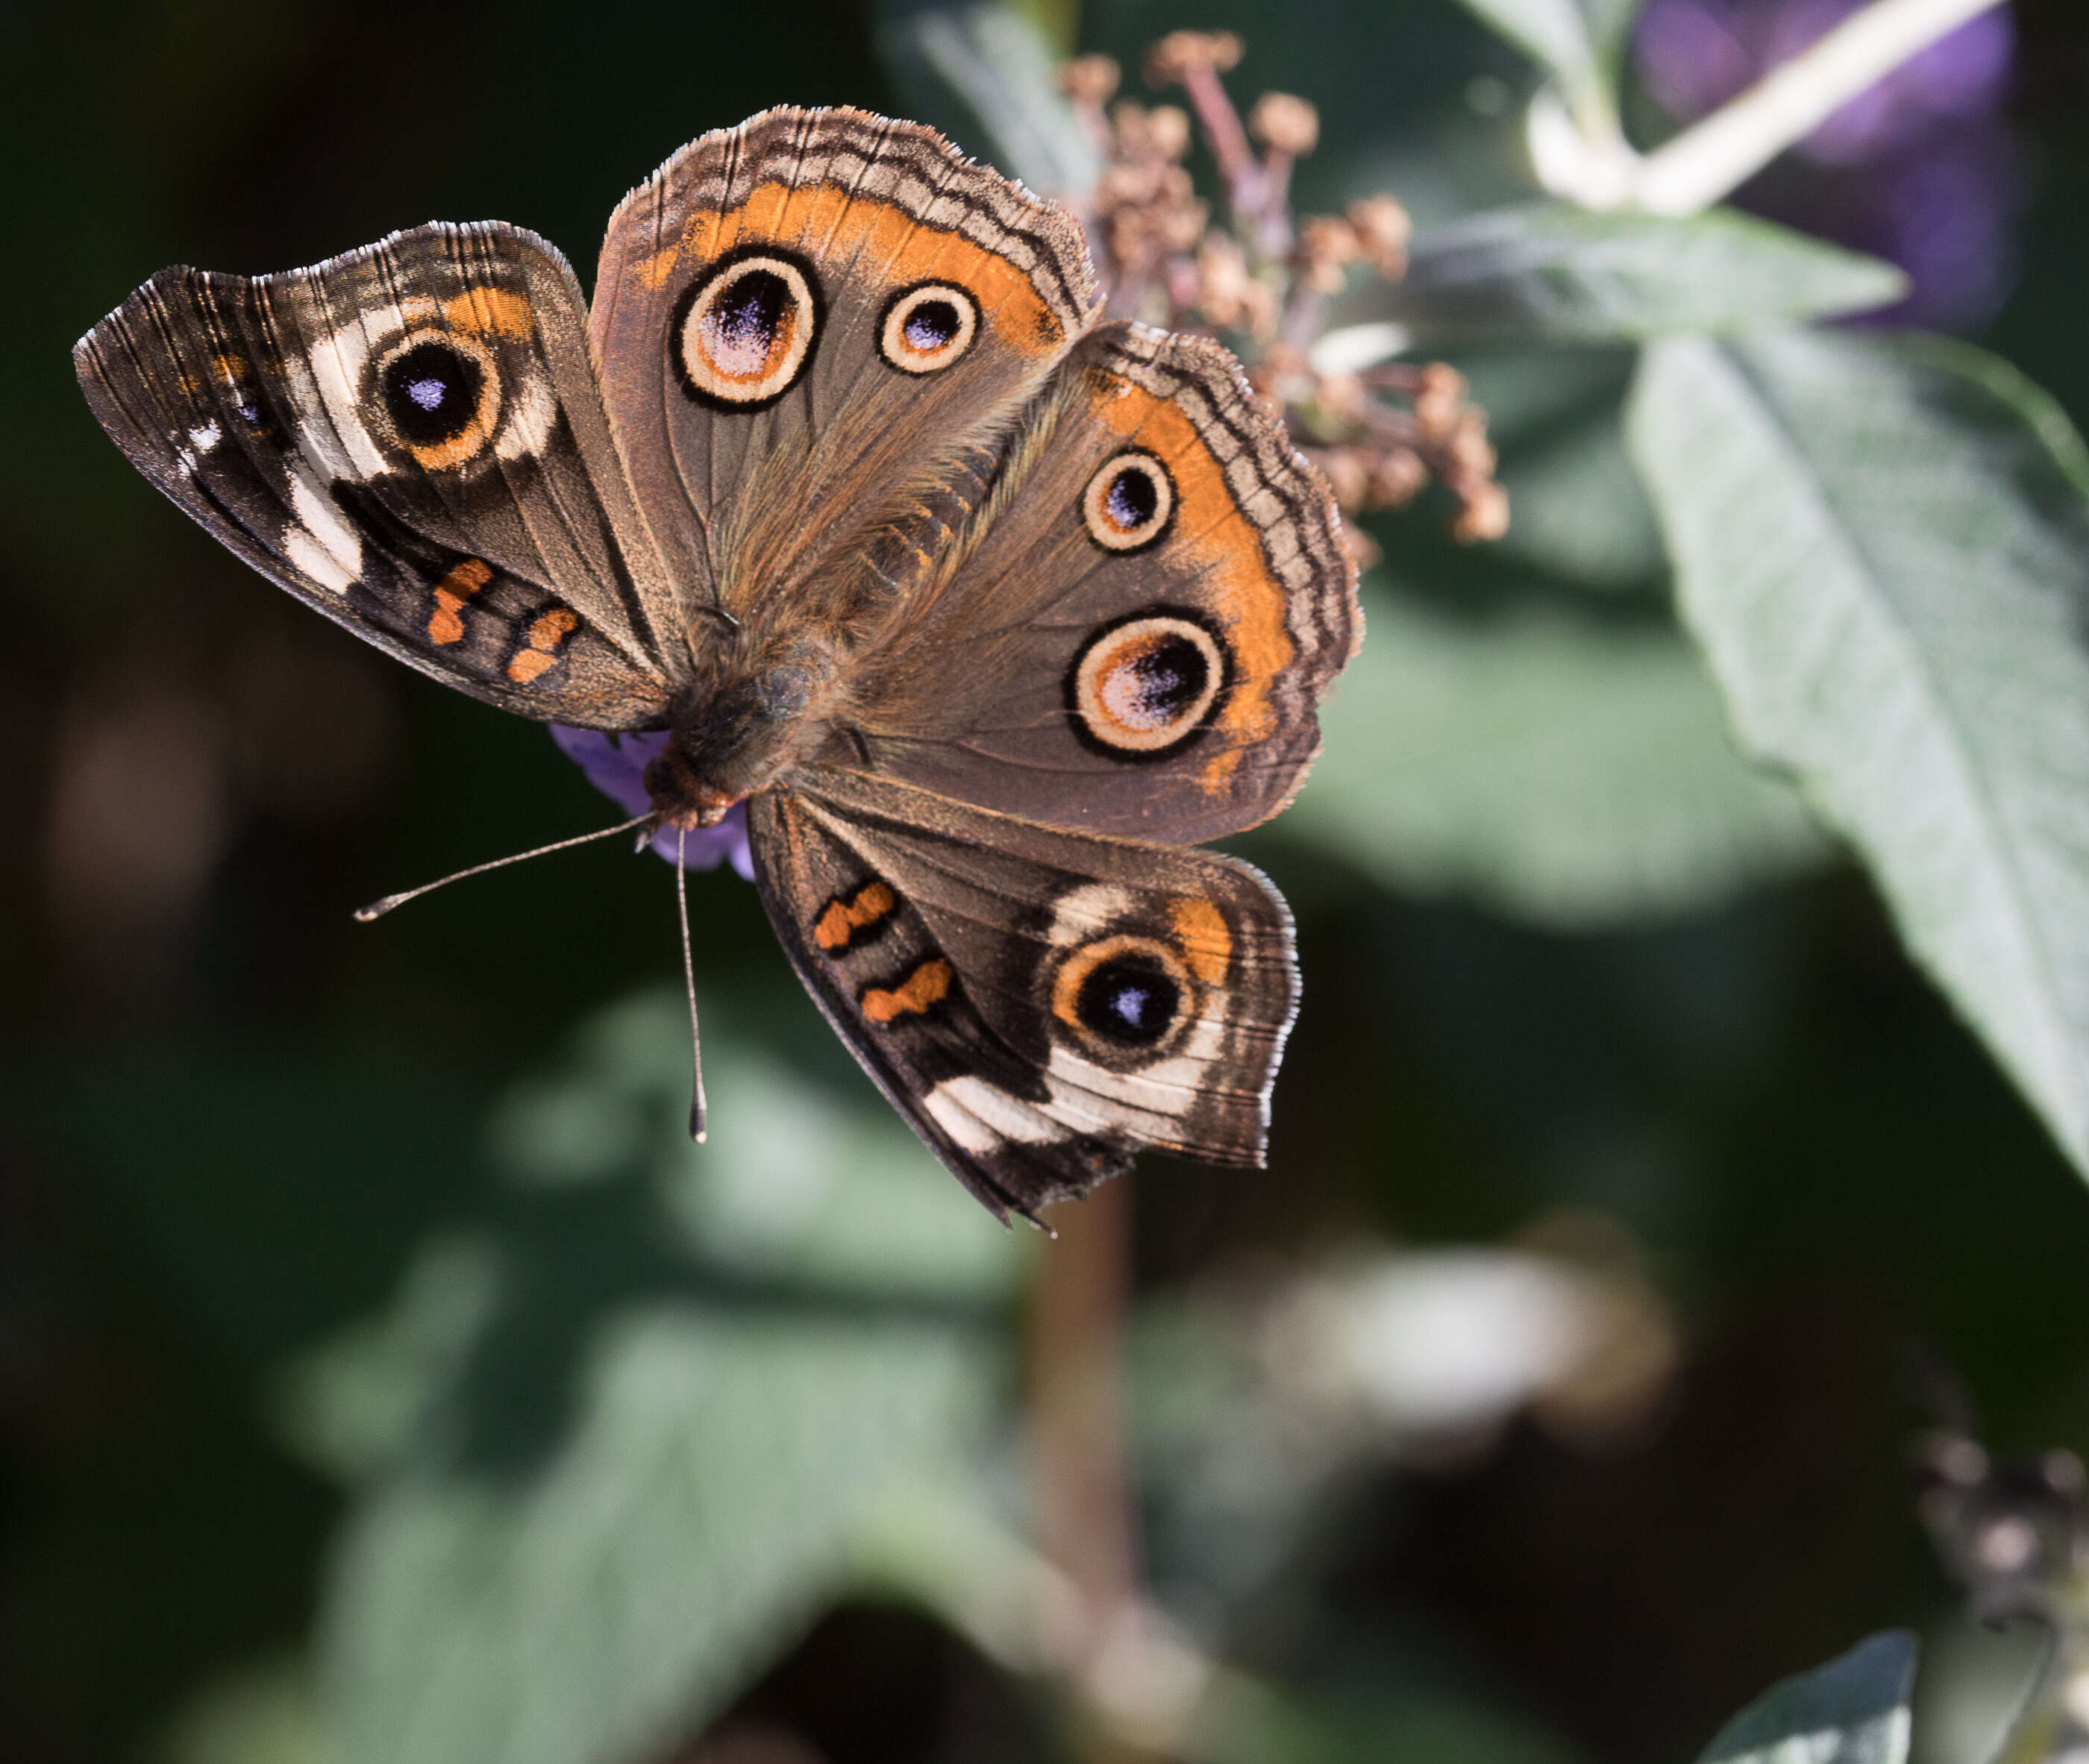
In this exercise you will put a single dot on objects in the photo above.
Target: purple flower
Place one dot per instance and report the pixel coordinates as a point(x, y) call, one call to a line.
point(1916, 169)
point(615, 765)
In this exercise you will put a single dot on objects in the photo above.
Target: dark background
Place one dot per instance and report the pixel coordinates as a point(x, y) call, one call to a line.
point(229, 1112)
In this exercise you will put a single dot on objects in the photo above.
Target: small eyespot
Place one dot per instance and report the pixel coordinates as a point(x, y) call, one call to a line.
point(1128, 502)
point(441, 394)
point(928, 328)
point(1123, 995)
point(746, 333)
point(1142, 687)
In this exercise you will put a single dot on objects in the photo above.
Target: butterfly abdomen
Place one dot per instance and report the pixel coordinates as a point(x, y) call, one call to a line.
point(736, 730)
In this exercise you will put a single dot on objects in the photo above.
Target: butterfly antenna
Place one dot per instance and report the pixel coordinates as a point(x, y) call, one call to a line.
point(378, 909)
point(689, 984)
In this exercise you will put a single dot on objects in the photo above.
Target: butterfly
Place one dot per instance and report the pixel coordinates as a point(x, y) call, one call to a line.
point(981, 611)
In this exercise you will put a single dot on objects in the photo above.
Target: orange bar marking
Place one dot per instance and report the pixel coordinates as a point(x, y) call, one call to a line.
point(446, 622)
point(551, 630)
point(1207, 946)
point(499, 312)
point(841, 919)
point(926, 985)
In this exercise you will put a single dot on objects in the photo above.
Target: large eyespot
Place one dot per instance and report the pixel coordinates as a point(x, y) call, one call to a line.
point(441, 394)
point(746, 330)
point(1142, 687)
point(928, 327)
point(1123, 995)
point(1127, 503)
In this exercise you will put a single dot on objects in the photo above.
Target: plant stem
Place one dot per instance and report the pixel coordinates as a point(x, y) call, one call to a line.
point(1706, 161)
point(1077, 1401)
point(1710, 159)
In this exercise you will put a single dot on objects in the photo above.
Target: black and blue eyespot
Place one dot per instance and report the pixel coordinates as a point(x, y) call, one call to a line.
point(1130, 1001)
point(441, 397)
point(1144, 686)
point(1129, 502)
point(1123, 996)
point(745, 332)
point(928, 328)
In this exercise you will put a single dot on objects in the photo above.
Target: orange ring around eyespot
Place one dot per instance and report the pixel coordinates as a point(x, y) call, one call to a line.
point(1110, 506)
point(469, 442)
point(1122, 692)
point(1081, 964)
point(898, 347)
point(748, 355)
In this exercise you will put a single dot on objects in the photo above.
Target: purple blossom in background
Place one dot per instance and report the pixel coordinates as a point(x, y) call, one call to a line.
point(1918, 169)
point(615, 765)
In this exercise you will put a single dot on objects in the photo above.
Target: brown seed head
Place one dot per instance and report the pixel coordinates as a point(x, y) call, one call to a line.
point(1397, 479)
point(1341, 396)
point(1382, 230)
point(1089, 79)
point(1484, 516)
point(1347, 473)
point(1326, 245)
point(1182, 53)
point(1286, 124)
point(1470, 449)
point(1168, 130)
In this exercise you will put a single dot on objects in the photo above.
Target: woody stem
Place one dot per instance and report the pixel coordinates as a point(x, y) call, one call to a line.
point(1077, 1405)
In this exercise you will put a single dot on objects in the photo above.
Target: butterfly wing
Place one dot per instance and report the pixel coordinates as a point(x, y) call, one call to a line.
point(1037, 1004)
point(816, 330)
point(410, 439)
point(1131, 633)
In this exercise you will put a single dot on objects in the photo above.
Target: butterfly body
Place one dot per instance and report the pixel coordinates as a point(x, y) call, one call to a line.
point(984, 609)
point(763, 708)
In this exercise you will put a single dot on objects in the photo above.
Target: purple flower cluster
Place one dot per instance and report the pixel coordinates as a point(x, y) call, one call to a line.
point(1918, 169)
point(615, 765)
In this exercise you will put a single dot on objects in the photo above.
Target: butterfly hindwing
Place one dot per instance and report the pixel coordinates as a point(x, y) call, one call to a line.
point(816, 331)
point(1038, 1004)
point(410, 439)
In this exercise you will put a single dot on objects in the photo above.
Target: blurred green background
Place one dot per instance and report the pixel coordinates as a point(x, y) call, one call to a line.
point(326, 1252)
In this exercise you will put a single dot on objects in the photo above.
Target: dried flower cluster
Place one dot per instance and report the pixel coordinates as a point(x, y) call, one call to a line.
point(1260, 279)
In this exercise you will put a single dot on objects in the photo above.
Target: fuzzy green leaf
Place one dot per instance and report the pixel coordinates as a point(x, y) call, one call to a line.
point(1852, 1711)
point(1542, 271)
point(1883, 546)
point(1559, 768)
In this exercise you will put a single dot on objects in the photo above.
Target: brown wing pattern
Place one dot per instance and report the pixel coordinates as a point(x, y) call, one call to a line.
point(809, 327)
point(1133, 633)
point(409, 439)
point(1038, 1004)
point(1073, 596)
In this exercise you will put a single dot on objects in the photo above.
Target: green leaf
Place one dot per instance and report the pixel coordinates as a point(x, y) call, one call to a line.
point(264, 1713)
point(699, 1511)
point(1852, 1711)
point(1542, 271)
point(617, 1442)
point(984, 75)
point(1564, 770)
point(1883, 546)
point(1577, 508)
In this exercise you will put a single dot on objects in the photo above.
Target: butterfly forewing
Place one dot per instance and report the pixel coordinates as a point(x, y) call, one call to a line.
point(811, 327)
point(410, 439)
